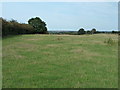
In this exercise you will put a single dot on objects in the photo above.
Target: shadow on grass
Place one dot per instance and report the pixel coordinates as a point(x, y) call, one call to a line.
point(11, 36)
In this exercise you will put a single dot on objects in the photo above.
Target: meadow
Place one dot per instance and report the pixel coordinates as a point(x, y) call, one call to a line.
point(60, 61)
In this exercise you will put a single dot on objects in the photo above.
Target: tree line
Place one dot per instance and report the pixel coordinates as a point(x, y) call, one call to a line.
point(94, 31)
point(12, 27)
point(37, 26)
point(82, 31)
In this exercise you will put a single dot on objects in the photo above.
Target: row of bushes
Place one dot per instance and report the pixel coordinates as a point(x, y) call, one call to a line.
point(14, 28)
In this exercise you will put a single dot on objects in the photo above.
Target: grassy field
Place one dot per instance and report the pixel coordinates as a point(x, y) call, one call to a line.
point(60, 61)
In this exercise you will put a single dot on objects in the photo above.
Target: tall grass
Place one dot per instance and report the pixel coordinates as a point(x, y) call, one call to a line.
point(110, 41)
point(60, 61)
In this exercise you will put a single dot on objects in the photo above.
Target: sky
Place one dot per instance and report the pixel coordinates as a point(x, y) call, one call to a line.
point(65, 15)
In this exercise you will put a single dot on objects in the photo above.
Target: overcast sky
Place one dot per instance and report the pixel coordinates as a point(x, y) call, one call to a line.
point(65, 15)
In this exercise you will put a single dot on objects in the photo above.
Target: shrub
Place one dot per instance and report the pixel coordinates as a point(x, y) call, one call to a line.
point(14, 28)
point(109, 41)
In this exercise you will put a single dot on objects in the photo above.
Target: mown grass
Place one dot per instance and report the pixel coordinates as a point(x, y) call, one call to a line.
point(60, 61)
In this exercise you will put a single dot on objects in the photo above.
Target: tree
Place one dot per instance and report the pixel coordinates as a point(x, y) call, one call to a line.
point(93, 31)
point(38, 25)
point(13, 21)
point(81, 31)
point(88, 32)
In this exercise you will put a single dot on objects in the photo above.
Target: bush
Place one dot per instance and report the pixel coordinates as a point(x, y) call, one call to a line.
point(14, 28)
point(109, 41)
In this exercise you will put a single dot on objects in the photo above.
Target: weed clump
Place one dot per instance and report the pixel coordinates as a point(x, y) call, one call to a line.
point(59, 38)
point(109, 41)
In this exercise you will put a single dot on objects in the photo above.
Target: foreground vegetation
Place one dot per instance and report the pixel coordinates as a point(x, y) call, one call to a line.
point(60, 61)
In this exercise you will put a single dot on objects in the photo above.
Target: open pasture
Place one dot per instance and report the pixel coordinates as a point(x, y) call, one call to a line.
point(60, 61)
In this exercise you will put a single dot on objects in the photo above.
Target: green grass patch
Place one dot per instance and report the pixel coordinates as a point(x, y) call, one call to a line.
point(60, 61)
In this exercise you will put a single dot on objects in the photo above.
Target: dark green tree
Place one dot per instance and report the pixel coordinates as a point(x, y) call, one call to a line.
point(88, 32)
point(93, 31)
point(81, 31)
point(38, 25)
